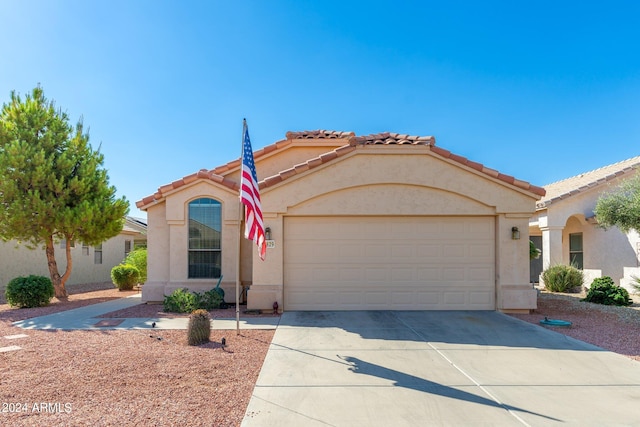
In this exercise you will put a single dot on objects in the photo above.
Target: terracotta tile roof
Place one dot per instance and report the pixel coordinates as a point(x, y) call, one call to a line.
point(488, 171)
point(290, 137)
point(201, 174)
point(352, 141)
point(394, 138)
point(309, 164)
point(388, 138)
point(568, 187)
point(320, 134)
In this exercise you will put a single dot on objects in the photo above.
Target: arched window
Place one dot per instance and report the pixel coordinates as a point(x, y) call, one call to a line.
point(205, 226)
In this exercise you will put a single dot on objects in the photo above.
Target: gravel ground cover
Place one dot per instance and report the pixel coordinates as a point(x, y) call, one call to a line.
point(142, 378)
point(123, 378)
point(611, 327)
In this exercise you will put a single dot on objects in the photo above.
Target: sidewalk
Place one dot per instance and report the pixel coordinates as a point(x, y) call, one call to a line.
point(86, 318)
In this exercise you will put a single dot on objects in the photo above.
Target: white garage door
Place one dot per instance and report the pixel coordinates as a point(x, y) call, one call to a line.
point(389, 263)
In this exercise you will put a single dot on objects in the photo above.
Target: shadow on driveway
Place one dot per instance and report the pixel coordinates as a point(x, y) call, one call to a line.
point(400, 379)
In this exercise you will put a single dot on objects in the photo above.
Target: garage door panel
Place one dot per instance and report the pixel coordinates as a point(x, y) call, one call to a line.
point(428, 299)
point(351, 274)
point(426, 251)
point(429, 274)
point(453, 274)
point(349, 250)
point(403, 275)
point(402, 252)
point(454, 298)
point(323, 276)
point(481, 274)
point(481, 251)
point(480, 298)
point(389, 263)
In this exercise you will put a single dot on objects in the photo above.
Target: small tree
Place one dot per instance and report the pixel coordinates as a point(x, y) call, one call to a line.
point(138, 258)
point(52, 184)
point(620, 207)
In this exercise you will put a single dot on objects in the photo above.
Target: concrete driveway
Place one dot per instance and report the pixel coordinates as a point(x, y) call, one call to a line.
point(462, 368)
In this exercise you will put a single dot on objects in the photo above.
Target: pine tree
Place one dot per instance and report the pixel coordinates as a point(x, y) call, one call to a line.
point(52, 183)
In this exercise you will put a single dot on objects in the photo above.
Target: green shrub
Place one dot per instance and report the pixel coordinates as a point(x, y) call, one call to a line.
point(183, 301)
point(138, 258)
point(604, 291)
point(30, 291)
point(125, 276)
point(211, 299)
point(180, 301)
point(562, 278)
point(199, 328)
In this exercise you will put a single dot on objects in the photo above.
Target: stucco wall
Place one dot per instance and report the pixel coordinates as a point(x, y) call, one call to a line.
point(298, 151)
point(406, 166)
point(17, 260)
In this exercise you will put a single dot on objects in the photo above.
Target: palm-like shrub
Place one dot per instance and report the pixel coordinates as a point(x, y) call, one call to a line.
point(562, 278)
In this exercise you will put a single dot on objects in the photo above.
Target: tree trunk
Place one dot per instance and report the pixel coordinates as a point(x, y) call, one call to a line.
point(67, 272)
point(58, 283)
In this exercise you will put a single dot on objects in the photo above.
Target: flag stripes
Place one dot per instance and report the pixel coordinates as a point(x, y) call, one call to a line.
point(250, 196)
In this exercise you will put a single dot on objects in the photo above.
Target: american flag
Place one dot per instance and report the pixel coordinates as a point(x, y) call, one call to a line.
point(250, 196)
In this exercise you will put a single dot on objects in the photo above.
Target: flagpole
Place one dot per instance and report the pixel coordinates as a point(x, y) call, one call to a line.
point(239, 248)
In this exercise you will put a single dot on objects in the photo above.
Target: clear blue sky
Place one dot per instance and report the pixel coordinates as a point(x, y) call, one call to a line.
point(540, 90)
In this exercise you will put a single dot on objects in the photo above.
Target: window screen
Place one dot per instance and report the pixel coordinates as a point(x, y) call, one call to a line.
point(575, 250)
point(205, 225)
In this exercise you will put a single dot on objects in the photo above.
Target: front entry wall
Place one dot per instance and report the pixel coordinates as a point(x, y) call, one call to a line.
point(389, 263)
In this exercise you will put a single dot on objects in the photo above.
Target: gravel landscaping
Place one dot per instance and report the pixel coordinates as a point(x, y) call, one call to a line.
point(611, 327)
point(125, 378)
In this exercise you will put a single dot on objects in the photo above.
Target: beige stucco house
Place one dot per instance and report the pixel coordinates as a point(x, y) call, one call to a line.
point(382, 221)
point(565, 229)
point(91, 264)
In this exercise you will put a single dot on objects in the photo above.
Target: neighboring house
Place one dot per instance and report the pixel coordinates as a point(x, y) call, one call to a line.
point(383, 221)
point(565, 229)
point(91, 264)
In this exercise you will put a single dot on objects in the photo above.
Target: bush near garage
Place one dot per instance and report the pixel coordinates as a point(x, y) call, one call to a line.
point(562, 278)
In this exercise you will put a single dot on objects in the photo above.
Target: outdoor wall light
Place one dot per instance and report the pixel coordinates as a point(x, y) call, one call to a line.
point(267, 233)
point(515, 233)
